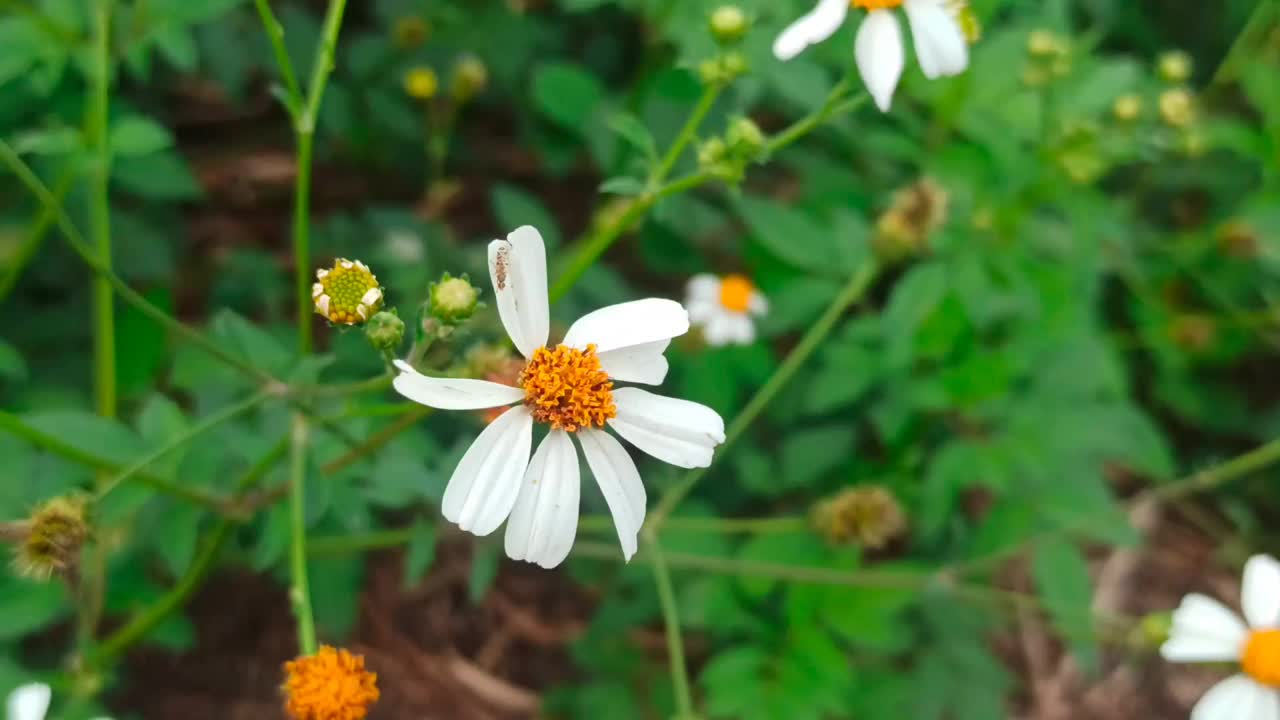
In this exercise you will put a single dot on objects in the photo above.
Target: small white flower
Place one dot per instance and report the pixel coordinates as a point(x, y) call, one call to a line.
point(1206, 631)
point(29, 702)
point(724, 307)
point(568, 387)
point(937, 33)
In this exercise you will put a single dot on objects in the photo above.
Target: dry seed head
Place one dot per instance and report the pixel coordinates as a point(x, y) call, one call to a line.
point(869, 516)
point(330, 685)
point(55, 532)
point(914, 214)
point(409, 32)
point(346, 294)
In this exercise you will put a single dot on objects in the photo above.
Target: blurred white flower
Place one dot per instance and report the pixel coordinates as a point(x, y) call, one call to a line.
point(29, 702)
point(724, 307)
point(938, 36)
point(568, 387)
point(1206, 631)
point(404, 246)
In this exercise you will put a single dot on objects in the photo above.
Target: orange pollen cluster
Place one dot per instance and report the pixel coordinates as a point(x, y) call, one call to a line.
point(735, 293)
point(330, 685)
point(875, 4)
point(566, 389)
point(1261, 657)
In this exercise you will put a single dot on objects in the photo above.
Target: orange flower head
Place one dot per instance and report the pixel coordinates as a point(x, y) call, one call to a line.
point(330, 685)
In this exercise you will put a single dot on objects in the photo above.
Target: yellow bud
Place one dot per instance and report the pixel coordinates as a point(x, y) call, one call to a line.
point(470, 76)
point(421, 83)
point(1174, 66)
point(1043, 44)
point(1177, 107)
point(1127, 108)
point(729, 23)
point(346, 294)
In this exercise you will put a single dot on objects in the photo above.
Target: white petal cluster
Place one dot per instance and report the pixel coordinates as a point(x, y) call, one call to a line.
point(722, 325)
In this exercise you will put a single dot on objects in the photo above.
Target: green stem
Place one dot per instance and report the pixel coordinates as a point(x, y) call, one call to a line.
point(675, 641)
point(147, 619)
point(96, 133)
point(35, 237)
point(376, 440)
point(835, 105)
point(853, 291)
point(302, 240)
point(687, 134)
point(300, 593)
point(228, 413)
point(14, 425)
point(275, 32)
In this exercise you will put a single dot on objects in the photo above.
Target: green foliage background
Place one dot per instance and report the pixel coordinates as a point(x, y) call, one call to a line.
point(1081, 327)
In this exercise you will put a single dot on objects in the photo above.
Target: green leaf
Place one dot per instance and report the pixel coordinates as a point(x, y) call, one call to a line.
point(160, 175)
point(49, 141)
point(622, 185)
point(916, 296)
point(795, 237)
point(808, 455)
point(135, 135)
point(89, 433)
point(27, 606)
point(1061, 575)
point(335, 592)
point(732, 681)
point(12, 366)
point(567, 94)
point(179, 525)
point(421, 552)
point(778, 549)
point(484, 570)
point(515, 207)
point(630, 128)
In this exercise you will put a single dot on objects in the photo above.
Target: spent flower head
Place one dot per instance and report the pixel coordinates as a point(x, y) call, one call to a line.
point(347, 293)
point(49, 541)
point(868, 515)
point(915, 213)
point(329, 685)
point(409, 32)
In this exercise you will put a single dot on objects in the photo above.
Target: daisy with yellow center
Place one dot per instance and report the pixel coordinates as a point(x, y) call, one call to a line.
point(570, 388)
point(1206, 631)
point(936, 28)
point(724, 307)
point(346, 294)
point(330, 685)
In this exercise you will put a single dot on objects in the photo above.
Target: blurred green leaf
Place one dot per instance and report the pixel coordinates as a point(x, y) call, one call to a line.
point(567, 94)
point(1061, 575)
point(134, 135)
point(421, 553)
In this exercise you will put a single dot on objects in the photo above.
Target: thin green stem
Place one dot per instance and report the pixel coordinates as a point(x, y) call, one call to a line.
point(228, 413)
point(15, 426)
point(853, 291)
point(687, 134)
point(675, 641)
point(322, 66)
point(1244, 48)
point(275, 33)
point(836, 104)
point(147, 619)
point(96, 132)
point(300, 592)
point(35, 237)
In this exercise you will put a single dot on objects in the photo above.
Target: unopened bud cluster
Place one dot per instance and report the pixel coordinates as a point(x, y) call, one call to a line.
point(1048, 58)
point(728, 157)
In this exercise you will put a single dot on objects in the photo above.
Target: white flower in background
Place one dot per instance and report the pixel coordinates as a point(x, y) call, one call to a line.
point(568, 387)
point(1206, 631)
point(29, 702)
point(936, 30)
point(724, 307)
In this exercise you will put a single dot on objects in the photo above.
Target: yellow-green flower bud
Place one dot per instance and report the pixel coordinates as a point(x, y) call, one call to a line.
point(1174, 66)
point(1177, 107)
point(1043, 44)
point(967, 19)
point(347, 293)
point(1127, 108)
point(453, 299)
point(409, 32)
point(421, 83)
point(385, 331)
point(470, 76)
point(744, 137)
point(728, 24)
point(869, 516)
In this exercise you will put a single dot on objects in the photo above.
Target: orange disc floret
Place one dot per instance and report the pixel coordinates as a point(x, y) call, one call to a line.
point(330, 685)
point(875, 4)
point(1261, 657)
point(566, 388)
point(735, 293)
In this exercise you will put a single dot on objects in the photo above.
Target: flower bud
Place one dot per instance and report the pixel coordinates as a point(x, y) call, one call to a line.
point(453, 299)
point(409, 32)
point(728, 24)
point(470, 76)
point(967, 19)
point(745, 138)
point(49, 541)
point(1177, 107)
point(1174, 67)
point(346, 294)
point(1043, 44)
point(385, 331)
point(868, 515)
point(1127, 108)
point(712, 153)
point(421, 83)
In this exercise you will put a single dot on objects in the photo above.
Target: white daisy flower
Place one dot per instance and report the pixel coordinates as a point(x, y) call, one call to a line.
point(29, 702)
point(936, 31)
point(570, 388)
point(724, 307)
point(1206, 631)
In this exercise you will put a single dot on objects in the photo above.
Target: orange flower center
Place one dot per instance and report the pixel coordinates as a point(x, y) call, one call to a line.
point(330, 685)
point(1261, 658)
point(735, 293)
point(566, 389)
point(875, 4)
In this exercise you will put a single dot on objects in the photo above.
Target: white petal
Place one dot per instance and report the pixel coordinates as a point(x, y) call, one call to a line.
point(1203, 631)
point(880, 56)
point(703, 287)
point(1260, 594)
point(702, 312)
point(1236, 698)
point(28, 702)
point(939, 40)
point(637, 363)
point(322, 304)
point(758, 304)
point(371, 296)
point(619, 482)
point(545, 518)
point(452, 393)
point(518, 269)
point(486, 482)
point(743, 330)
point(676, 431)
point(814, 27)
point(630, 323)
point(719, 330)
